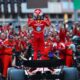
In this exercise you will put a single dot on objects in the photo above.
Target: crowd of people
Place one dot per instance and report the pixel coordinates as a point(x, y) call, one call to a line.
point(58, 42)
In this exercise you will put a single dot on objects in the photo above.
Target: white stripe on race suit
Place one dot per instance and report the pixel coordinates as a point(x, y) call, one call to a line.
point(63, 44)
point(54, 44)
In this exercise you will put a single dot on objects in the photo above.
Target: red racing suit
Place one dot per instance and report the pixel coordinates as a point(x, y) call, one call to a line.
point(8, 47)
point(38, 35)
point(69, 53)
point(20, 45)
point(61, 47)
point(47, 49)
point(76, 31)
point(62, 34)
point(1, 53)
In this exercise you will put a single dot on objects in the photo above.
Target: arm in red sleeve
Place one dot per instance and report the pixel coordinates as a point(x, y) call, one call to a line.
point(60, 33)
point(74, 30)
point(24, 44)
point(30, 22)
point(47, 21)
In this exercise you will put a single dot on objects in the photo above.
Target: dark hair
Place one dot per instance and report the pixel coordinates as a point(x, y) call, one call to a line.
point(10, 24)
point(18, 26)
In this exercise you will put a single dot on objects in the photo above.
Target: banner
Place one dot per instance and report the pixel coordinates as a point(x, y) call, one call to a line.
point(65, 17)
point(76, 4)
point(37, 3)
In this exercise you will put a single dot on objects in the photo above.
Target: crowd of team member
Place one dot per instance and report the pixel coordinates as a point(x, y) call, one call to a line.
point(55, 42)
point(10, 43)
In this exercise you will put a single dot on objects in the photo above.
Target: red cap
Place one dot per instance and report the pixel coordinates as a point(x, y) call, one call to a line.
point(37, 12)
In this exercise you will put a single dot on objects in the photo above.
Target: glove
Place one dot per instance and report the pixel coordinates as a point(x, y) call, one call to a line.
point(46, 16)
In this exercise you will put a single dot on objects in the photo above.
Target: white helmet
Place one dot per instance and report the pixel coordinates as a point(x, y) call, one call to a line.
point(38, 12)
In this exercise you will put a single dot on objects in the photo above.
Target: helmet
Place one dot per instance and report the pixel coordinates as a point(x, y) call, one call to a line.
point(38, 12)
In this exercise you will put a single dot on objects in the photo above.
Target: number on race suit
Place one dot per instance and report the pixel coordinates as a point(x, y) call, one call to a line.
point(38, 28)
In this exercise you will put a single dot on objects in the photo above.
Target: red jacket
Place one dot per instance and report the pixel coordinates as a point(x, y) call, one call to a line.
point(76, 32)
point(62, 34)
point(1, 47)
point(68, 48)
point(61, 48)
point(48, 47)
point(19, 45)
point(8, 46)
point(24, 44)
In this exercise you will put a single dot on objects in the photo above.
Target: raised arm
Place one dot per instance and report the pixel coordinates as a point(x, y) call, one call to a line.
point(47, 20)
point(30, 21)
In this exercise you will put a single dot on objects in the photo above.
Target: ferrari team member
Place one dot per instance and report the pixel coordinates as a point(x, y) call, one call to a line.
point(23, 33)
point(20, 47)
point(2, 39)
point(69, 53)
point(47, 49)
point(3, 36)
point(1, 55)
point(38, 26)
point(7, 58)
point(17, 49)
point(76, 31)
point(60, 48)
point(62, 33)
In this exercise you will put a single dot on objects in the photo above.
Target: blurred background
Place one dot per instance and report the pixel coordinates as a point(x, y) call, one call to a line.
point(16, 11)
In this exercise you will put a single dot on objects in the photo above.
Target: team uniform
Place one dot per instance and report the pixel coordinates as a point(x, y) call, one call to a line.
point(61, 49)
point(1, 54)
point(62, 34)
point(69, 54)
point(7, 58)
point(20, 46)
point(76, 31)
point(47, 49)
point(38, 35)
